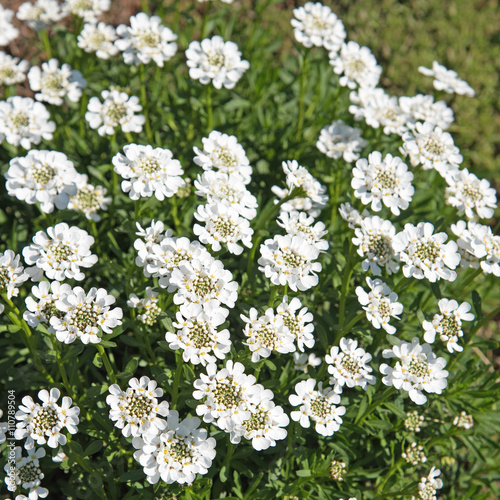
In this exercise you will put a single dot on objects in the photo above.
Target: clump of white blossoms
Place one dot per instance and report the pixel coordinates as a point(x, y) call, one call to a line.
point(414, 454)
point(464, 421)
point(199, 336)
point(8, 31)
point(176, 455)
point(42, 311)
point(469, 194)
point(422, 108)
point(146, 39)
point(85, 315)
point(414, 421)
point(298, 321)
point(417, 369)
point(118, 110)
point(223, 153)
point(44, 422)
point(337, 470)
point(46, 177)
point(318, 406)
point(478, 246)
point(289, 260)
point(447, 80)
point(298, 176)
point(12, 274)
point(266, 334)
point(425, 255)
point(383, 181)
point(302, 361)
point(88, 10)
point(428, 485)
point(148, 171)
point(136, 410)
point(351, 215)
point(429, 146)
point(375, 241)
point(300, 224)
point(222, 224)
point(54, 83)
point(214, 61)
point(12, 70)
point(89, 199)
point(448, 324)
point(357, 65)
point(25, 472)
point(39, 14)
point(59, 253)
point(229, 394)
point(99, 39)
point(338, 140)
point(24, 122)
point(348, 365)
point(380, 304)
point(150, 305)
point(316, 25)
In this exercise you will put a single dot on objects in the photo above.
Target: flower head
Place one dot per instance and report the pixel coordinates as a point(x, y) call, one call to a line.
point(447, 80)
point(88, 10)
point(7, 30)
point(40, 13)
point(12, 70)
point(98, 38)
point(89, 199)
point(12, 274)
point(338, 140)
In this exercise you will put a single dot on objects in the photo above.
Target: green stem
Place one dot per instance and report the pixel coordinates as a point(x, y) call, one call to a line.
point(209, 108)
point(390, 473)
point(353, 321)
point(384, 396)
point(46, 43)
point(144, 102)
point(107, 364)
point(205, 20)
point(174, 213)
point(346, 278)
point(272, 298)
point(62, 370)
point(300, 120)
point(177, 379)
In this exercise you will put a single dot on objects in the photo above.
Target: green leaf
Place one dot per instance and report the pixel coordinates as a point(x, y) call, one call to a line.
point(92, 448)
point(304, 473)
point(476, 302)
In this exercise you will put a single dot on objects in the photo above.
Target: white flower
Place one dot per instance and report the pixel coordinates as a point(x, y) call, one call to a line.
point(47, 294)
point(428, 486)
point(357, 64)
point(422, 108)
point(316, 24)
point(339, 140)
point(203, 282)
point(464, 421)
point(302, 361)
point(88, 10)
point(199, 337)
point(448, 324)
point(223, 153)
point(266, 334)
point(214, 61)
point(319, 405)
point(375, 241)
point(7, 30)
point(380, 304)
point(12, 274)
point(4, 427)
point(47, 177)
point(229, 395)
point(230, 188)
point(56, 83)
point(430, 147)
point(26, 473)
point(348, 365)
point(44, 423)
point(468, 193)
point(59, 253)
point(85, 314)
point(151, 171)
point(98, 38)
point(146, 39)
point(151, 236)
point(417, 369)
point(289, 259)
point(425, 254)
point(351, 215)
point(12, 70)
point(300, 224)
point(89, 199)
point(383, 181)
point(298, 321)
point(414, 454)
point(150, 305)
point(136, 409)
point(117, 110)
point(298, 176)
point(447, 80)
point(478, 246)
point(179, 453)
point(414, 421)
point(222, 224)
point(41, 13)
point(24, 122)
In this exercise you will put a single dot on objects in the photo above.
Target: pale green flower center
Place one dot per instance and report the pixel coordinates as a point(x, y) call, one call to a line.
point(149, 165)
point(267, 336)
point(227, 158)
point(472, 192)
point(292, 323)
point(4, 277)
point(83, 5)
point(116, 111)
point(151, 314)
point(83, 316)
point(178, 450)
point(199, 334)
point(150, 38)
point(45, 420)
point(419, 367)
point(54, 82)
point(137, 406)
point(204, 285)
point(226, 394)
point(224, 227)
point(350, 364)
point(320, 407)
point(355, 66)
point(29, 473)
point(380, 246)
point(384, 307)
point(60, 252)
point(6, 73)
point(43, 173)
point(385, 179)
point(427, 251)
point(257, 421)
point(450, 326)
point(292, 259)
point(20, 119)
point(216, 59)
point(434, 146)
point(87, 199)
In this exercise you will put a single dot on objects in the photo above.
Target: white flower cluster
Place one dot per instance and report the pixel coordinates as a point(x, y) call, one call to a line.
point(239, 406)
point(428, 485)
point(7, 30)
point(98, 38)
point(88, 10)
point(12, 70)
point(447, 80)
point(88, 199)
point(150, 305)
point(12, 274)
point(39, 14)
point(339, 140)
point(168, 449)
